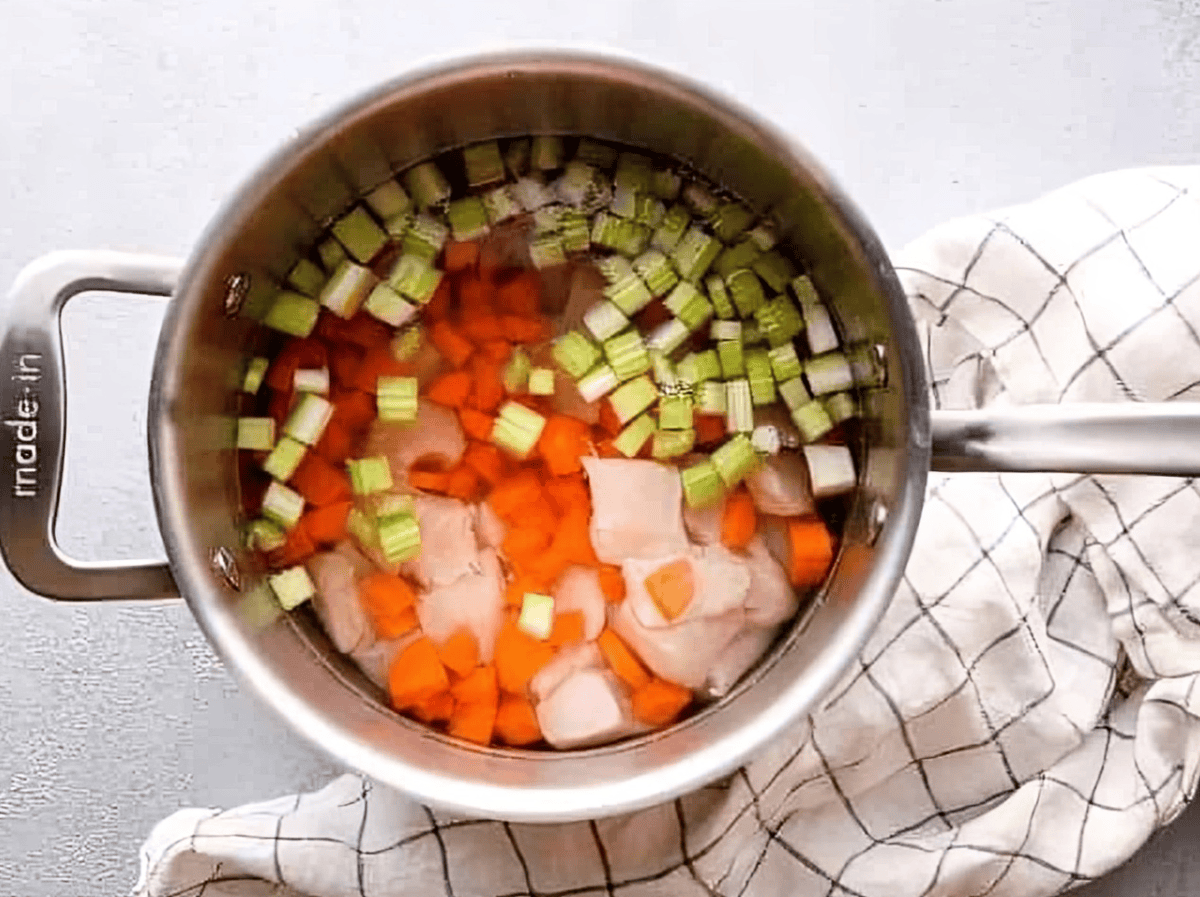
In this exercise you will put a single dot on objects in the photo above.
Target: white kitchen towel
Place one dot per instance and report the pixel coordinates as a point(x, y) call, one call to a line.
point(1026, 715)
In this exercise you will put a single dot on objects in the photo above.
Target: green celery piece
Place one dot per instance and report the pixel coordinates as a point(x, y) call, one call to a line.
point(694, 253)
point(627, 355)
point(256, 369)
point(746, 291)
point(812, 420)
point(292, 313)
point(597, 383)
point(614, 268)
point(751, 334)
point(358, 232)
point(619, 234)
point(425, 237)
point(840, 407)
point(663, 370)
point(593, 152)
point(774, 269)
point(763, 235)
point(396, 398)
point(779, 320)
point(536, 618)
point(726, 330)
point(672, 443)
point(407, 343)
point(699, 199)
point(785, 364)
point(389, 306)
point(541, 382)
point(696, 367)
point(794, 393)
point(397, 226)
point(362, 528)
point(389, 504)
point(347, 289)
point(265, 535)
point(634, 172)
point(718, 295)
point(629, 294)
point(483, 163)
point(655, 270)
point(666, 184)
point(668, 336)
point(388, 200)
point(648, 210)
point(604, 319)
point(675, 412)
point(306, 277)
point(710, 397)
point(427, 185)
point(574, 230)
point(624, 202)
point(742, 254)
point(632, 398)
point(547, 252)
point(671, 229)
point(516, 372)
point(331, 253)
point(282, 505)
point(256, 434)
point(501, 204)
point(399, 538)
point(729, 220)
point(758, 372)
point(739, 406)
point(582, 187)
point(369, 475)
point(689, 305)
point(575, 353)
point(546, 153)
point(311, 380)
point(702, 486)
point(468, 218)
point(630, 440)
point(284, 459)
point(735, 459)
point(517, 429)
point(828, 373)
point(414, 278)
point(733, 363)
point(292, 587)
point(804, 290)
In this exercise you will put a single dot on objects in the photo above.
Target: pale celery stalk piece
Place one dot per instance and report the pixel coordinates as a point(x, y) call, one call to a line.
point(733, 363)
point(742, 254)
point(516, 157)
point(708, 365)
point(311, 380)
point(632, 398)
point(362, 528)
point(282, 505)
point(666, 184)
point(812, 420)
point(819, 328)
point(501, 204)
point(546, 153)
point(575, 353)
point(672, 443)
point(688, 305)
point(256, 370)
point(292, 587)
point(675, 412)
point(718, 295)
point(746, 291)
point(358, 232)
point(265, 535)
point(399, 537)
point(627, 355)
point(763, 235)
point(517, 429)
point(597, 383)
point(758, 372)
point(630, 440)
point(775, 270)
point(284, 459)
point(414, 278)
point(258, 299)
point(694, 253)
point(347, 289)
point(369, 475)
point(766, 439)
point(389, 504)
point(866, 366)
point(663, 370)
point(668, 336)
point(729, 220)
point(785, 364)
point(582, 187)
point(794, 393)
point(305, 277)
point(388, 200)
point(735, 459)
point(702, 486)
point(649, 210)
point(671, 229)
point(398, 225)
point(830, 469)
point(629, 294)
point(541, 382)
point(308, 419)
point(396, 398)
point(828, 373)
point(406, 344)
point(537, 615)
point(634, 172)
point(619, 234)
point(739, 406)
point(468, 218)
point(699, 199)
point(593, 152)
point(256, 434)
point(725, 330)
point(624, 202)
point(547, 252)
point(804, 289)
point(574, 230)
point(840, 407)
point(516, 372)
point(710, 398)
point(389, 306)
point(425, 237)
point(293, 314)
point(532, 193)
point(779, 320)
point(427, 185)
point(483, 163)
point(331, 253)
point(614, 268)
point(656, 272)
point(604, 320)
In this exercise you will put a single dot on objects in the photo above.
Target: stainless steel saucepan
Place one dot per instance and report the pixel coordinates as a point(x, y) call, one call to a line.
point(256, 238)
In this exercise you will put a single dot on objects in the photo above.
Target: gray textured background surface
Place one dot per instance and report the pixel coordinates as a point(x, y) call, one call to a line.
point(126, 122)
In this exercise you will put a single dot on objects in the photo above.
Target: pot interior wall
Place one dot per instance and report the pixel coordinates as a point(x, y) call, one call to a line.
point(287, 205)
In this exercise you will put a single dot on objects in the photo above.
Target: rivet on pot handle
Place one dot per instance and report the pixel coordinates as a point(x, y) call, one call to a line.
point(1132, 437)
point(33, 411)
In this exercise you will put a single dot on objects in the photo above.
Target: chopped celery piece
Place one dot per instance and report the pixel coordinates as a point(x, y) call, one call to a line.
point(284, 459)
point(574, 231)
point(819, 328)
point(546, 153)
point(388, 200)
point(672, 443)
point(751, 333)
point(399, 538)
point(742, 254)
point(668, 336)
point(828, 373)
point(734, 459)
point(358, 232)
point(804, 289)
point(779, 320)
point(547, 252)
point(729, 219)
point(516, 157)
point(389, 306)
point(702, 485)
point(396, 398)
point(259, 296)
point(406, 344)
point(841, 407)
point(671, 229)
point(255, 371)
point(414, 278)
point(483, 163)
point(311, 380)
point(427, 185)
point(308, 419)
point(347, 289)
point(866, 366)
point(739, 407)
point(368, 475)
point(696, 367)
point(785, 364)
point(794, 393)
point(614, 268)
point(541, 382)
point(710, 397)
point(812, 420)
point(362, 528)
point(604, 319)
point(619, 234)
point(694, 253)
point(689, 305)
point(536, 618)
point(516, 372)
point(632, 398)
point(758, 372)
point(256, 434)
point(468, 218)
point(649, 211)
point(746, 291)
point(830, 469)
point(763, 235)
point(627, 355)
point(265, 535)
point(501, 204)
point(629, 294)
point(766, 440)
point(634, 172)
point(532, 193)
point(282, 505)
point(630, 440)
point(331, 253)
point(389, 504)
point(774, 269)
point(593, 152)
point(575, 353)
point(517, 429)
point(582, 186)
point(699, 198)
point(655, 270)
point(675, 413)
point(726, 330)
point(733, 362)
point(398, 225)
point(597, 383)
point(292, 313)
point(718, 295)
point(424, 237)
point(292, 587)
point(666, 184)
point(306, 278)
point(624, 202)
point(663, 370)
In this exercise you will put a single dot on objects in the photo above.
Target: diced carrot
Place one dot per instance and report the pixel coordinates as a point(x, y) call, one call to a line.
point(811, 551)
point(460, 255)
point(498, 350)
point(254, 483)
point(388, 601)
point(709, 428)
point(569, 494)
point(609, 422)
point(524, 330)
point(429, 480)
point(452, 345)
point(462, 483)
point(516, 722)
point(481, 327)
point(671, 587)
point(521, 295)
point(436, 709)
point(321, 482)
point(612, 583)
point(539, 514)
point(478, 685)
point(511, 496)
point(487, 388)
point(627, 667)
point(367, 331)
point(476, 424)
point(738, 520)
point(564, 439)
point(473, 722)
point(475, 295)
point(438, 305)
point(450, 389)
point(568, 628)
point(278, 407)
point(652, 315)
point(518, 658)
point(328, 524)
point(379, 362)
point(330, 329)
point(658, 702)
point(523, 544)
point(485, 459)
point(335, 443)
point(416, 675)
point(344, 359)
point(460, 652)
point(353, 409)
point(572, 543)
point(297, 549)
point(296, 353)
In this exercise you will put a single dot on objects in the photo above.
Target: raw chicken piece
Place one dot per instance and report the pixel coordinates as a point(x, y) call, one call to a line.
point(556, 286)
point(475, 601)
point(428, 363)
point(684, 652)
point(449, 549)
point(587, 288)
point(566, 662)
point(777, 415)
point(335, 574)
point(376, 660)
point(637, 509)
point(780, 486)
point(567, 400)
point(579, 589)
point(774, 533)
point(489, 528)
point(507, 245)
point(771, 599)
point(738, 657)
point(704, 524)
point(436, 436)
point(721, 581)
point(587, 708)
